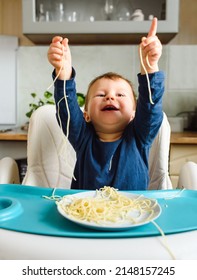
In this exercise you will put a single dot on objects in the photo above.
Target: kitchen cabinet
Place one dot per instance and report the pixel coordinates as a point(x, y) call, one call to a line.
point(183, 148)
point(85, 21)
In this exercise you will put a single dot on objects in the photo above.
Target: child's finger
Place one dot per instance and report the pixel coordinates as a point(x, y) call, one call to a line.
point(153, 28)
point(57, 39)
point(146, 42)
point(65, 41)
point(152, 47)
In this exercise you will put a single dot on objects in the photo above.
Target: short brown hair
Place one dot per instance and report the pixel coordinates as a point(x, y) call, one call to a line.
point(111, 76)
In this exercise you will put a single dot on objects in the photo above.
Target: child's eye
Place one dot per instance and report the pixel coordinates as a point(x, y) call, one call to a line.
point(120, 94)
point(100, 95)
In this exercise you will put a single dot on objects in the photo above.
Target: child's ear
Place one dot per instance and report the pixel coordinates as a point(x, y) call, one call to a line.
point(86, 116)
point(132, 115)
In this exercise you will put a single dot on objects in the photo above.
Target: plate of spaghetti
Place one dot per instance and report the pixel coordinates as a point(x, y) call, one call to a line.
point(109, 209)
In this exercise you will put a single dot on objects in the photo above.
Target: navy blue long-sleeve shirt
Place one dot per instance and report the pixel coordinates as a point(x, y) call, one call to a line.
point(122, 164)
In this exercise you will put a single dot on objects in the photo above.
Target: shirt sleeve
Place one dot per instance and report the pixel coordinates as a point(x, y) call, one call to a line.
point(149, 116)
point(68, 113)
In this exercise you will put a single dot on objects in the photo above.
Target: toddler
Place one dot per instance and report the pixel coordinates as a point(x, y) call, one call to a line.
point(113, 136)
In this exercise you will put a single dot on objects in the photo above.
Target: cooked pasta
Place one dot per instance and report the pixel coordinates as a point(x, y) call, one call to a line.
point(108, 206)
point(146, 73)
point(164, 240)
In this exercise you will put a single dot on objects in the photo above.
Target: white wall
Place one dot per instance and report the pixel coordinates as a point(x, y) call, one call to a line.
point(8, 48)
point(179, 63)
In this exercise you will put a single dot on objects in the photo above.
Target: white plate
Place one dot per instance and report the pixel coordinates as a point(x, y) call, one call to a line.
point(125, 225)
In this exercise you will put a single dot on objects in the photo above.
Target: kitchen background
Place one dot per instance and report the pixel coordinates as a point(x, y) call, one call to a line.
point(179, 62)
point(29, 71)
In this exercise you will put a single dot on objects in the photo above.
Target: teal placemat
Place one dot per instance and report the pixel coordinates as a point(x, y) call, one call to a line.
point(23, 209)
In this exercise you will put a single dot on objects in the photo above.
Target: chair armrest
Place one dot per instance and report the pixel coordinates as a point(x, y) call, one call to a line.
point(188, 176)
point(9, 173)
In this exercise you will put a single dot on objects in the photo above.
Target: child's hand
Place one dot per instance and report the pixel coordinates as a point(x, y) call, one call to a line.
point(151, 49)
point(60, 57)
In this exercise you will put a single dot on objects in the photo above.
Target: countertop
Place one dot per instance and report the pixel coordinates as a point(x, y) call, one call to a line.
point(15, 134)
point(186, 137)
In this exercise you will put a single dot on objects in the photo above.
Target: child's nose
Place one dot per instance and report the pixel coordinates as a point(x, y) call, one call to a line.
point(110, 96)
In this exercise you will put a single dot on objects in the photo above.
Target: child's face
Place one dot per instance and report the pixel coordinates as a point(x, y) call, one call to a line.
point(111, 105)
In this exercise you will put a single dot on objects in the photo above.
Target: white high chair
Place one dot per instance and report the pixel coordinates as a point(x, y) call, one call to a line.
point(9, 172)
point(51, 158)
point(188, 176)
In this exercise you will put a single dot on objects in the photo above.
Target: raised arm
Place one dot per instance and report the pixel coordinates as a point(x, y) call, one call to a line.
point(60, 57)
point(151, 49)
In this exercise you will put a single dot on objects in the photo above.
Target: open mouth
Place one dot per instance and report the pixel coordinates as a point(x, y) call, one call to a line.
point(109, 108)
